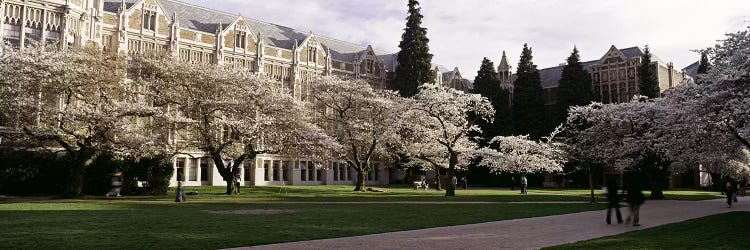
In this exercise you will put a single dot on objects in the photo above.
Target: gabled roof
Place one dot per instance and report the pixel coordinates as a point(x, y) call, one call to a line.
point(207, 20)
point(113, 5)
point(692, 69)
point(550, 77)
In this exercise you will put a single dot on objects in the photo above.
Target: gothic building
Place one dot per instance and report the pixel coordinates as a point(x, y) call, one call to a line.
point(200, 35)
point(452, 78)
point(614, 75)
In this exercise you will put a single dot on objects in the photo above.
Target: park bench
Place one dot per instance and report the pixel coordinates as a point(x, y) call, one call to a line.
point(421, 185)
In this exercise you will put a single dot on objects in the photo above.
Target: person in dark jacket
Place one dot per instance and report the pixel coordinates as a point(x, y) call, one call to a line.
point(613, 201)
point(635, 199)
point(730, 188)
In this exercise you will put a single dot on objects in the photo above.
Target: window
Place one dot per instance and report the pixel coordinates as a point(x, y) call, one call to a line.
point(318, 173)
point(12, 33)
point(247, 175)
point(149, 20)
point(312, 54)
point(193, 170)
point(335, 171)
point(180, 165)
point(303, 170)
point(240, 39)
point(285, 166)
point(204, 169)
point(276, 174)
point(266, 170)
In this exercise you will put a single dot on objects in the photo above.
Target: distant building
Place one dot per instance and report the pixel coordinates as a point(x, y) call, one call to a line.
point(452, 78)
point(614, 76)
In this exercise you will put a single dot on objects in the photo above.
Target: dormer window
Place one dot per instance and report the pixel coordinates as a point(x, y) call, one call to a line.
point(240, 39)
point(149, 20)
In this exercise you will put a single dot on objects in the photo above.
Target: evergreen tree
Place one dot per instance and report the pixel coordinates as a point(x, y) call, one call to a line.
point(414, 60)
point(647, 81)
point(528, 98)
point(487, 84)
point(704, 65)
point(574, 87)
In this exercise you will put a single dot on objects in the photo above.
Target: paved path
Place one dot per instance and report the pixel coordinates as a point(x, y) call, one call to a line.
point(531, 233)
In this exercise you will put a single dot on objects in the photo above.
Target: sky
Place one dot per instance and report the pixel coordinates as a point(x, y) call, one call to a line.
point(462, 32)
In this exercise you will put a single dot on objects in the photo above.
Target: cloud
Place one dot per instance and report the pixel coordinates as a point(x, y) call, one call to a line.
point(462, 32)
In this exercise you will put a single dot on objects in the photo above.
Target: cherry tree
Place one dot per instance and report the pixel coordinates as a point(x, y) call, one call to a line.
point(439, 120)
point(363, 120)
point(233, 115)
point(76, 101)
point(519, 154)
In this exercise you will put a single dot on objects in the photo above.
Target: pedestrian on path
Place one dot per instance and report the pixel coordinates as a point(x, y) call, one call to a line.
point(454, 182)
point(524, 184)
point(731, 190)
point(613, 202)
point(635, 199)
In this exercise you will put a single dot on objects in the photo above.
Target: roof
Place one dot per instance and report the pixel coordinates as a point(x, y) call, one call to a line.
point(692, 69)
point(550, 77)
point(207, 20)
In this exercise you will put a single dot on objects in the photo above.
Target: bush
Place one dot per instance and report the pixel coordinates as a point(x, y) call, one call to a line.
point(98, 177)
point(153, 172)
point(26, 172)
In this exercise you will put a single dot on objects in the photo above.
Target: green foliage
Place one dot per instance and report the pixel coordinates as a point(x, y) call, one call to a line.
point(704, 66)
point(648, 83)
point(98, 177)
point(414, 60)
point(487, 84)
point(528, 98)
point(24, 172)
point(575, 85)
point(154, 172)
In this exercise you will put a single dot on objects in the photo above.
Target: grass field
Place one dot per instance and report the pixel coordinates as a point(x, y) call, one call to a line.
point(139, 225)
point(398, 193)
point(724, 231)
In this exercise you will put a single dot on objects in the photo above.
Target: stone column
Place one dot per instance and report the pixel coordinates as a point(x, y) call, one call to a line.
point(122, 30)
point(2, 19)
point(174, 38)
point(22, 36)
point(219, 45)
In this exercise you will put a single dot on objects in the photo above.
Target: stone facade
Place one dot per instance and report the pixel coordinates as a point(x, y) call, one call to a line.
point(200, 35)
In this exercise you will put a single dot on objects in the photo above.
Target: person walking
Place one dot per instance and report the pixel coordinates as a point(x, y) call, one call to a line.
point(613, 202)
point(731, 190)
point(524, 184)
point(635, 199)
point(454, 182)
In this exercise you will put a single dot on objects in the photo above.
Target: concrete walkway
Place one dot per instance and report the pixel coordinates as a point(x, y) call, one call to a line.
point(531, 233)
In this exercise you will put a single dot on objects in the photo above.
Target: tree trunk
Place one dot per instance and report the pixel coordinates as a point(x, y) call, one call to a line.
point(438, 183)
point(360, 186)
point(74, 187)
point(77, 171)
point(591, 185)
point(452, 161)
point(231, 187)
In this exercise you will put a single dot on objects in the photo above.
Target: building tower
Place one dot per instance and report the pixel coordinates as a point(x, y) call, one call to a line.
point(505, 76)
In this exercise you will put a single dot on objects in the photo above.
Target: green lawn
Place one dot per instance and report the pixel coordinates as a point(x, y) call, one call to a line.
point(121, 225)
point(397, 193)
point(724, 231)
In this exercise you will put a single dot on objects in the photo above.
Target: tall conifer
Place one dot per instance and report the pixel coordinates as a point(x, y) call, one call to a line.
point(574, 86)
point(487, 84)
point(414, 60)
point(528, 97)
point(647, 81)
point(704, 65)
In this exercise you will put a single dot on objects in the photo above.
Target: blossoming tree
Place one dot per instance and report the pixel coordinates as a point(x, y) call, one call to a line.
point(75, 100)
point(231, 114)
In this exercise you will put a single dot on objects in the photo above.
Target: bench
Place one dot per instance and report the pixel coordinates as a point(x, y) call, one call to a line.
point(421, 185)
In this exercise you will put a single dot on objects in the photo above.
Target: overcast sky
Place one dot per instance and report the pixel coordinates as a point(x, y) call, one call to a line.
point(462, 32)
